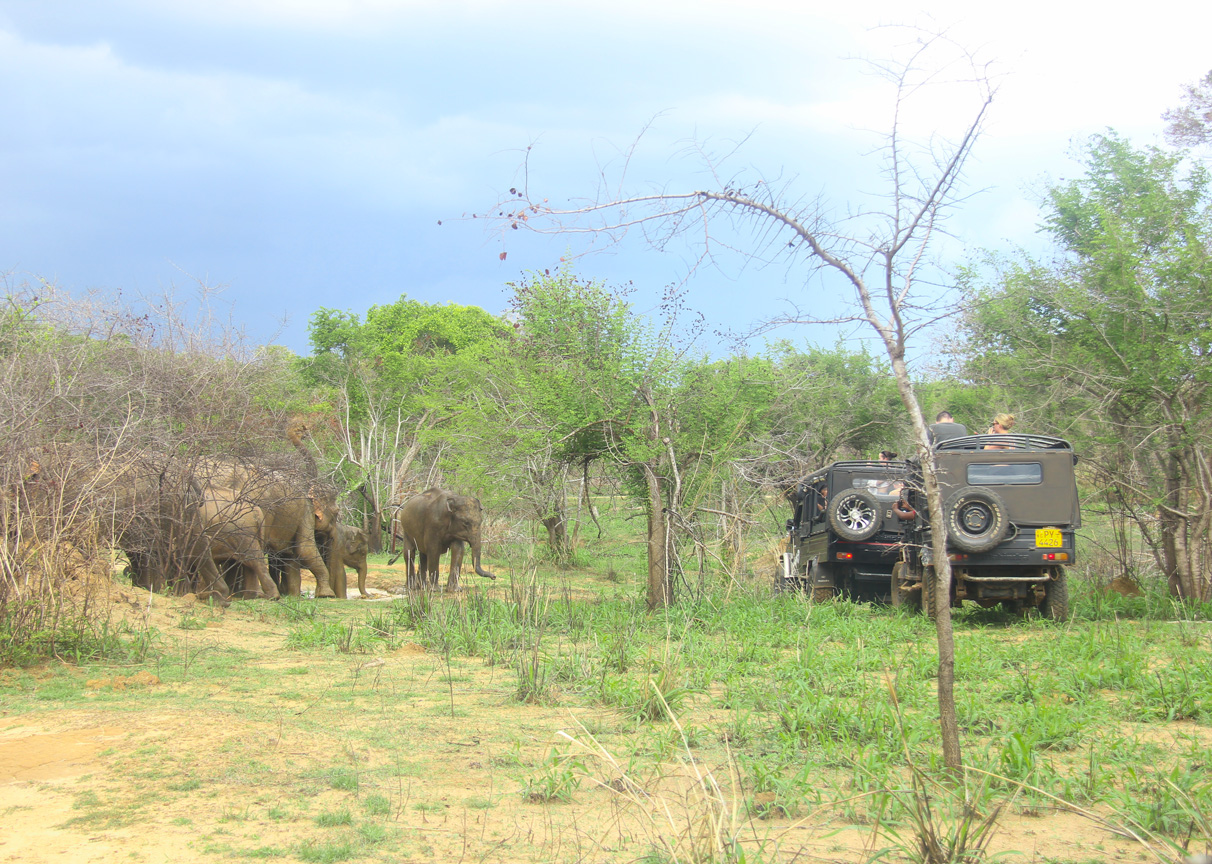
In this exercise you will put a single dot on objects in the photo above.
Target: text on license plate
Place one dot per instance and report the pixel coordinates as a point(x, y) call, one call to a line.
point(1047, 538)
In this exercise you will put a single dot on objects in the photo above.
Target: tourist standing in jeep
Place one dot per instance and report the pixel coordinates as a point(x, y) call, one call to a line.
point(945, 428)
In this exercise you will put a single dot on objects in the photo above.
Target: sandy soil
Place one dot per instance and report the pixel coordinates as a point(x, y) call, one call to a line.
point(208, 769)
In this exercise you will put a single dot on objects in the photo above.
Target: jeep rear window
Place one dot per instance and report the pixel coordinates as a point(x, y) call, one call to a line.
point(1003, 474)
point(882, 487)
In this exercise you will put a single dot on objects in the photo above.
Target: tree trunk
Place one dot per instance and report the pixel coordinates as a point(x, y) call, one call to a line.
point(374, 530)
point(557, 535)
point(945, 636)
point(660, 586)
point(948, 722)
point(590, 507)
point(733, 535)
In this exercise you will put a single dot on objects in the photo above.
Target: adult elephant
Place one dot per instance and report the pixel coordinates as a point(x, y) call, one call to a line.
point(294, 509)
point(432, 523)
point(235, 531)
point(145, 504)
point(166, 539)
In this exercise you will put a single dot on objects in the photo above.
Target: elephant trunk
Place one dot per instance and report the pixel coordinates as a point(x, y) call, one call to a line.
point(475, 557)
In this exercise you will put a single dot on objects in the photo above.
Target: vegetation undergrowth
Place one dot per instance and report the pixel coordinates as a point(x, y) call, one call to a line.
point(799, 692)
point(772, 707)
point(71, 636)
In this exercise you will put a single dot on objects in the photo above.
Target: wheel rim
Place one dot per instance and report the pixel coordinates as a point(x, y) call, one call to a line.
point(856, 516)
point(975, 518)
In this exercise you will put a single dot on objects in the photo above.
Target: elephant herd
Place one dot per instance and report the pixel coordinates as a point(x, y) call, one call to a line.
point(228, 526)
point(216, 527)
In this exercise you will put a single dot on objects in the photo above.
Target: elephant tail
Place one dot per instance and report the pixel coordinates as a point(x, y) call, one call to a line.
point(403, 549)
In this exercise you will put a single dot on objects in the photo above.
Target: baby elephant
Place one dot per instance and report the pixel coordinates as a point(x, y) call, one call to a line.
point(353, 546)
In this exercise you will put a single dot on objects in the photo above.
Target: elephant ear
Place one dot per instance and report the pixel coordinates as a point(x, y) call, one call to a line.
point(316, 506)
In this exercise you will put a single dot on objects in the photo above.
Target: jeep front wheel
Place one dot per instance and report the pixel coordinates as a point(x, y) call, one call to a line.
point(854, 515)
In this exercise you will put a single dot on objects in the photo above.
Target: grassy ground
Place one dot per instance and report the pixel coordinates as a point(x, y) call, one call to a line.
point(549, 717)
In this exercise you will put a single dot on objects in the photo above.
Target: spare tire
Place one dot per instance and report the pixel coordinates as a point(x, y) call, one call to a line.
point(976, 519)
point(854, 515)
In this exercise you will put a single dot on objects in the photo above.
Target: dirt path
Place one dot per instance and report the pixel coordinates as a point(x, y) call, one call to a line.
point(258, 750)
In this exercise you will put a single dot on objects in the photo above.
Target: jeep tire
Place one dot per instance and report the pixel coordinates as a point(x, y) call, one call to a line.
point(1055, 605)
point(976, 519)
point(854, 515)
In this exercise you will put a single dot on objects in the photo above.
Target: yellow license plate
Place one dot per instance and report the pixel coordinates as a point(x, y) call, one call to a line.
point(1048, 538)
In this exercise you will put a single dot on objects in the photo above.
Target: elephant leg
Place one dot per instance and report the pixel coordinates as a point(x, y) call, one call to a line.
point(410, 564)
point(456, 565)
point(248, 584)
point(140, 570)
point(242, 585)
point(292, 578)
point(433, 575)
point(421, 570)
point(309, 557)
point(210, 581)
point(145, 572)
point(336, 574)
point(416, 578)
point(231, 577)
point(256, 569)
point(323, 589)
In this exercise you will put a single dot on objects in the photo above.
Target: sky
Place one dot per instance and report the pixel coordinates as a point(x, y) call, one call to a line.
point(300, 154)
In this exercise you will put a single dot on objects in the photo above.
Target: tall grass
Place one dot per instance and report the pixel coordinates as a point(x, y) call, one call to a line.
point(55, 603)
point(798, 691)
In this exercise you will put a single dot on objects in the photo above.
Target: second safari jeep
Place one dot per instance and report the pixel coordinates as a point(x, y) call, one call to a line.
point(1011, 507)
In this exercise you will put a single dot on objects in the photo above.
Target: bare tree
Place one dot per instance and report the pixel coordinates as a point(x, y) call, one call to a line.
point(110, 407)
point(883, 255)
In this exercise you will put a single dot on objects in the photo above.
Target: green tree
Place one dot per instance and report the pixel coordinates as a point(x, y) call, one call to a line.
point(408, 370)
point(879, 254)
point(826, 404)
point(601, 383)
point(1113, 337)
point(556, 386)
point(1190, 124)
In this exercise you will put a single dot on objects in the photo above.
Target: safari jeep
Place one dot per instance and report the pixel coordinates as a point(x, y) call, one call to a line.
point(844, 537)
point(1010, 514)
